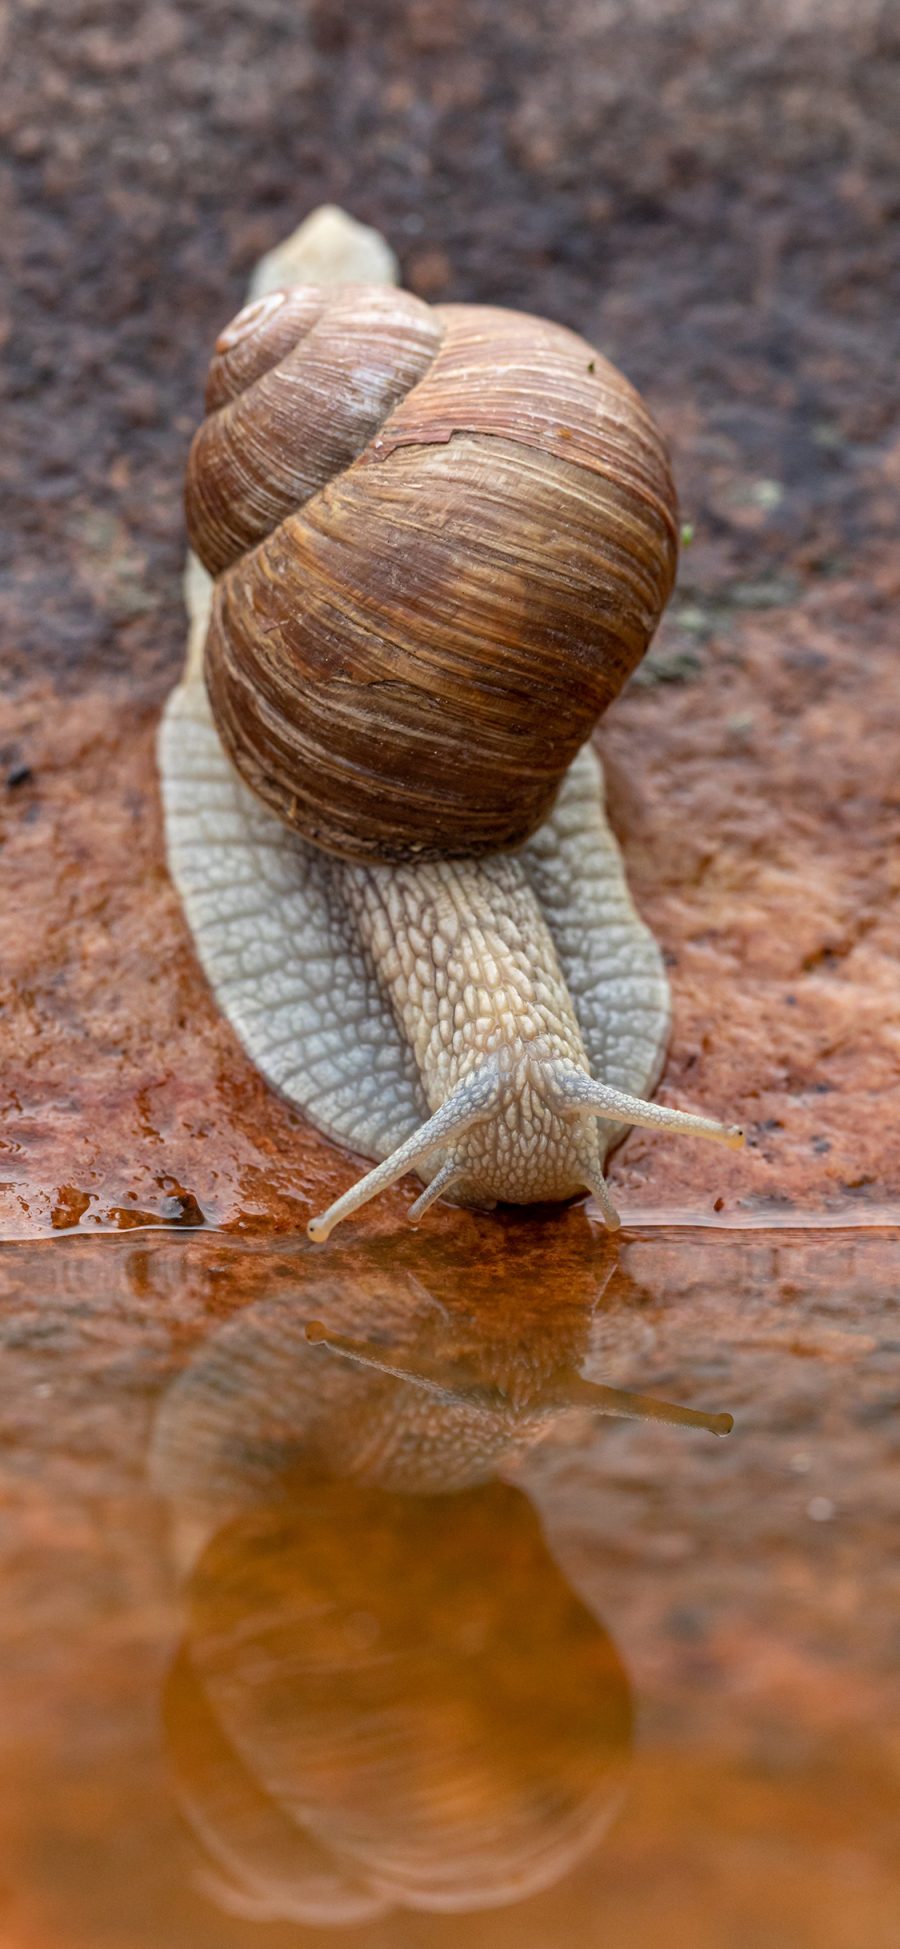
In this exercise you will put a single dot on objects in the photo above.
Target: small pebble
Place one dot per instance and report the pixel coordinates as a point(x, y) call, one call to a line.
point(766, 493)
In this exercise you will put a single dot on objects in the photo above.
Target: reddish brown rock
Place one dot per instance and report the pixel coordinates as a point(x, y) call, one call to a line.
point(732, 247)
point(756, 806)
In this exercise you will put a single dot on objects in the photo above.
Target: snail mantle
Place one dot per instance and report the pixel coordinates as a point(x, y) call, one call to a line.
point(429, 547)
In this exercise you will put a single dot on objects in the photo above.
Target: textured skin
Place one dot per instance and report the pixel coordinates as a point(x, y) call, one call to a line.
point(277, 929)
point(372, 996)
point(327, 249)
point(277, 946)
point(469, 967)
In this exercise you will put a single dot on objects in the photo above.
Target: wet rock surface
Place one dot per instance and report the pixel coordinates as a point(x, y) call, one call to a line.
point(707, 195)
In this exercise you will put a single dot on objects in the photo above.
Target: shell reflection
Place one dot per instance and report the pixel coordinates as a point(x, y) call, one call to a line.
point(387, 1695)
point(365, 1713)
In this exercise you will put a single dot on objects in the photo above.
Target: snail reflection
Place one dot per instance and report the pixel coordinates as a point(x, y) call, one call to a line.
point(387, 1695)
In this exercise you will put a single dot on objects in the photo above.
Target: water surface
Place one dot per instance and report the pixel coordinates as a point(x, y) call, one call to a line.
point(342, 1604)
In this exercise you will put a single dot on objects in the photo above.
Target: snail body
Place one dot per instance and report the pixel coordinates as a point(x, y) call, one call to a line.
point(411, 631)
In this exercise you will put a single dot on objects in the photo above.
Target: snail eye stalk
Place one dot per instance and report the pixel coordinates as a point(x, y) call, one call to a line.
point(577, 1095)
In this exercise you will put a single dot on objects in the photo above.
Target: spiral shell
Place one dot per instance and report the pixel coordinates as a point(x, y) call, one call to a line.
point(443, 538)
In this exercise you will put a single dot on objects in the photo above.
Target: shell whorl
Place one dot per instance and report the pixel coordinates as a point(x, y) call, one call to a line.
point(443, 539)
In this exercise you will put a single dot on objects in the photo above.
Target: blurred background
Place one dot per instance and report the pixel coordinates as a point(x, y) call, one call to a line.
point(708, 190)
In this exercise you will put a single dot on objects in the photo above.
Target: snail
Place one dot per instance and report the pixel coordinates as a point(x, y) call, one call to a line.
point(441, 539)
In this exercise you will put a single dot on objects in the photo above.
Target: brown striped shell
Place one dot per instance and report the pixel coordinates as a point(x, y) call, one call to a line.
point(443, 538)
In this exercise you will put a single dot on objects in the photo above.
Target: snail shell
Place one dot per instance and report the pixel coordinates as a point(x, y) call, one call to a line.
point(443, 539)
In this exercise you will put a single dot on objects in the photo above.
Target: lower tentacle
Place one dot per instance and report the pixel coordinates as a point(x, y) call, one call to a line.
point(445, 1179)
point(598, 1185)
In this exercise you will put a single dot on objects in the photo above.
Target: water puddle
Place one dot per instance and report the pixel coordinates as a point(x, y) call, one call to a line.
point(378, 1595)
